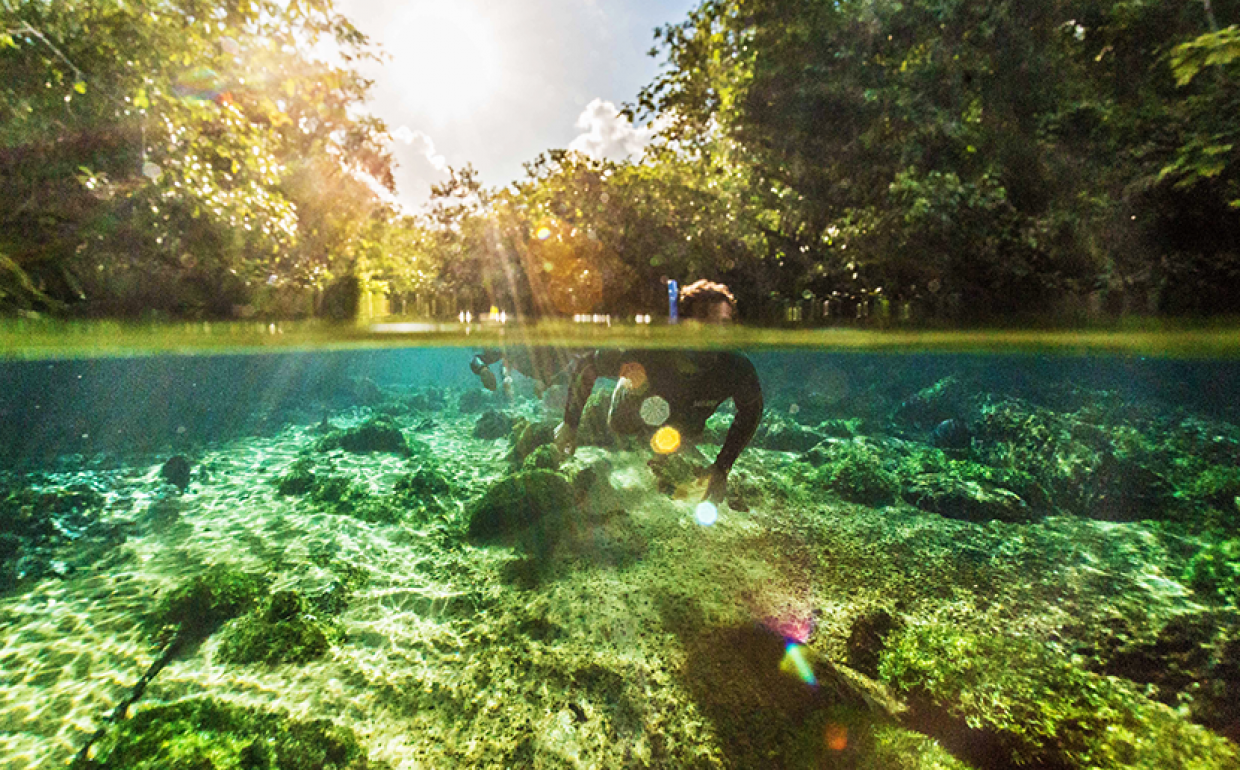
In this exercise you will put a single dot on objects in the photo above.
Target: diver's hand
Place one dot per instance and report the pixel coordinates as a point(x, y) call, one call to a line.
point(716, 485)
point(566, 438)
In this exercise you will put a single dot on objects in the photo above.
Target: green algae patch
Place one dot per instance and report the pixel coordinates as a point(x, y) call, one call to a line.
point(856, 473)
point(1002, 701)
point(338, 494)
point(200, 605)
point(206, 734)
point(286, 630)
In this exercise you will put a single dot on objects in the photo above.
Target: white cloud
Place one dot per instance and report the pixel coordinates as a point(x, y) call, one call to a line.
point(422, 145)
point(608, 134)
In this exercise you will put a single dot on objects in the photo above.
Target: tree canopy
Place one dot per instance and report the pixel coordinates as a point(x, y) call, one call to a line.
point(966, 159)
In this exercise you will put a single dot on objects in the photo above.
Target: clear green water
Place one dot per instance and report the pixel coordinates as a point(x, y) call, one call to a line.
point(939, 550)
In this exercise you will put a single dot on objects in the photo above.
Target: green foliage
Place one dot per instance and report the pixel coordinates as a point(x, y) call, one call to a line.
point(285, 630)
point(197, 607)
point(205, 734)
point(1038, 706)
point(160, 158)
point(1213, 49)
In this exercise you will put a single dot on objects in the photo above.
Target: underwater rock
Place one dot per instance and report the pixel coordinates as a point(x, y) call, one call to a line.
point(366, 391)
point(855, 472)
point(1122, 489)
point(947, 399)
point(427, 400)
point(377, 434)
point(965, 499)
point(493, 425)
point(474, 400)
point(546, 457)
point(204, 734)
point(784, 436)
point(518, 502)
point(529, 436)
point(597, 472)
point(176, 472)
point(951, 434)
point(284, 631)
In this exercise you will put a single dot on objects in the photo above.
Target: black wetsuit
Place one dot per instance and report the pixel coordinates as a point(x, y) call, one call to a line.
point(692, 383)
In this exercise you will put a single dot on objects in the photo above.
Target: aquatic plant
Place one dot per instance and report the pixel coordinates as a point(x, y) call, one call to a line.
point(284, 630)
point(208, 734)
point(1010, 700)
point(377, 434)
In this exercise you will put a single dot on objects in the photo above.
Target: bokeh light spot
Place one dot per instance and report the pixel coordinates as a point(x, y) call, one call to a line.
point(706, 513)
point(635, 373)
point(665, 440)
point(151, 170)
point(655, 411)
point(836, 737)
point(542, 233)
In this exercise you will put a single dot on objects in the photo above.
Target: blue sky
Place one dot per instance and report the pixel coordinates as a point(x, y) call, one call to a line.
point(494, 83)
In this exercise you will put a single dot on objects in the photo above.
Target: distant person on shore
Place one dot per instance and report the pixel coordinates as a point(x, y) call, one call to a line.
point(667, 395)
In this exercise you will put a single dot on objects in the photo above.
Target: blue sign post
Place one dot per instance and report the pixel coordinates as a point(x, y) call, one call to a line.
point(673, 297)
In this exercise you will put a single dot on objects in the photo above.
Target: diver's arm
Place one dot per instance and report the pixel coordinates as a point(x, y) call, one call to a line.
point(748, 399)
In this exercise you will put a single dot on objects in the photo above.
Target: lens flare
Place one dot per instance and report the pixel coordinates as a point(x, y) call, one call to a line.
point(665, 440)
point(706, 513)
point(542, 233)
point(794, 663)
point(655, 411)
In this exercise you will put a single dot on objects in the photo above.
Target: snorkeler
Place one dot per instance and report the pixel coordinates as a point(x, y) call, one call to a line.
point(658, 390)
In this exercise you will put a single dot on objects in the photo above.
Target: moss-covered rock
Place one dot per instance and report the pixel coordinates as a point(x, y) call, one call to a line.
point(1009, 701)
point(545, 457)
point(493, 425)
point(855, 472)
point(377, 434)
point(200, 605)
point(519, 501)
point(528, 437)
point(206, 734)
point(284, 630)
